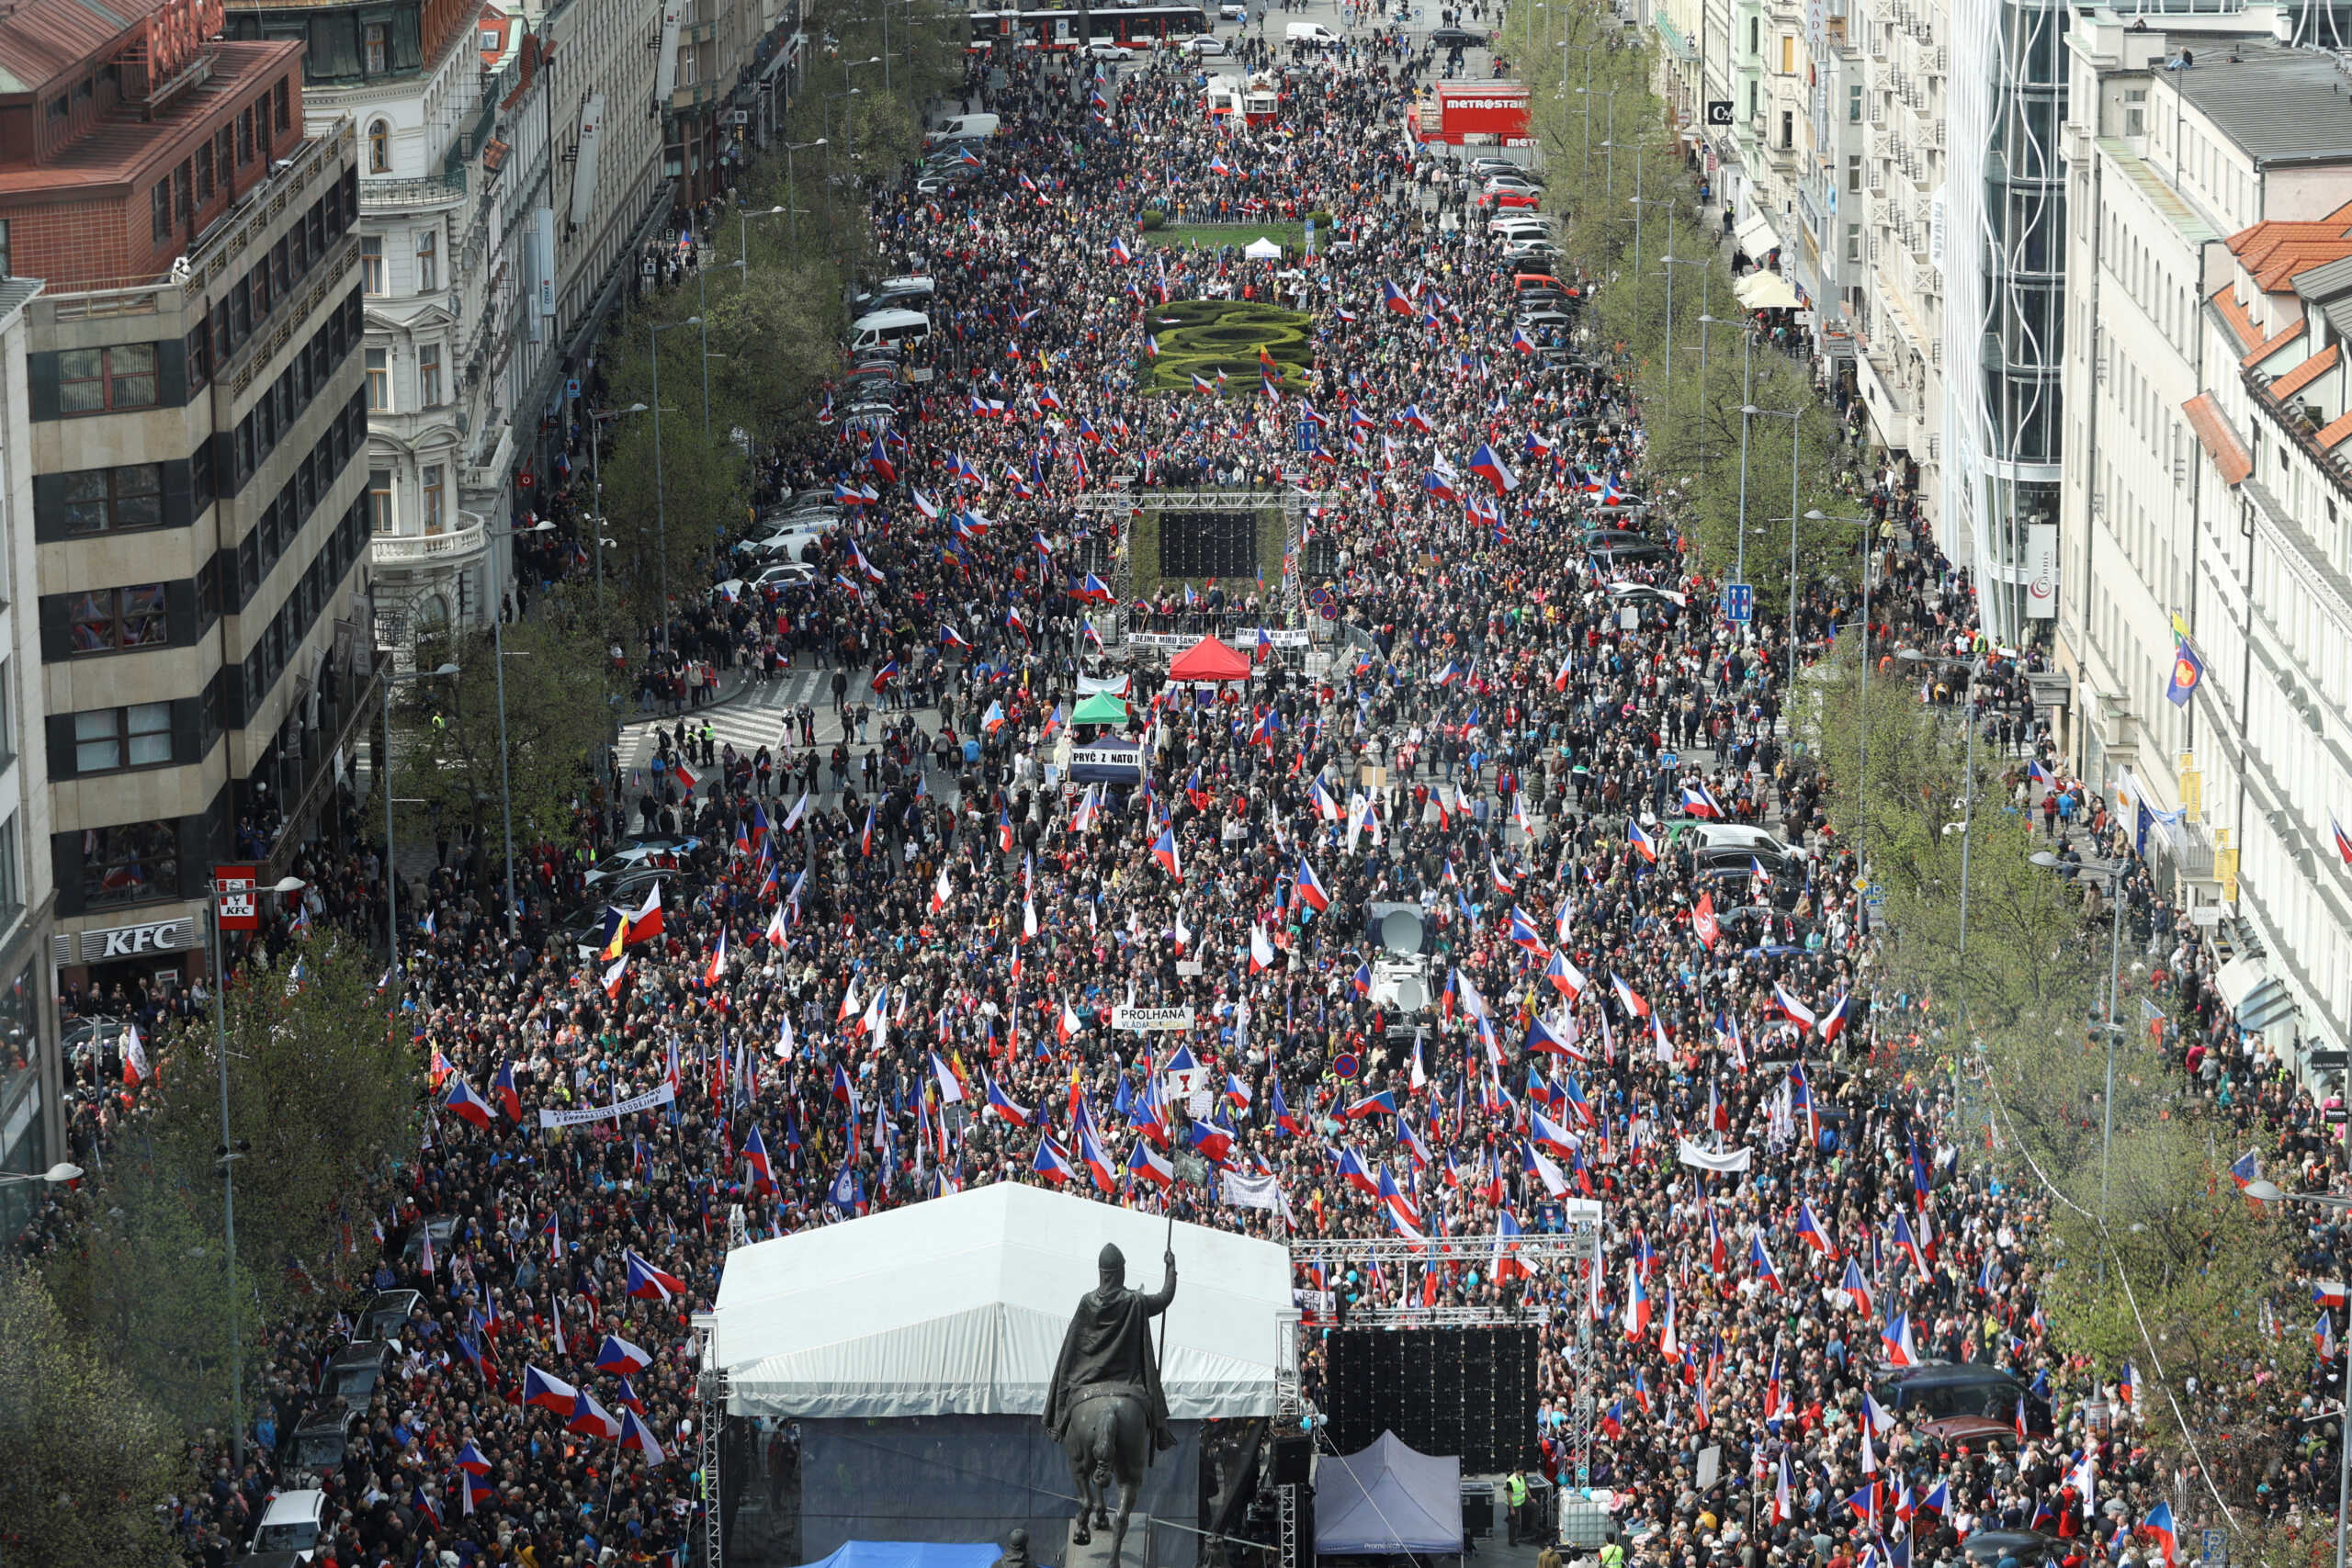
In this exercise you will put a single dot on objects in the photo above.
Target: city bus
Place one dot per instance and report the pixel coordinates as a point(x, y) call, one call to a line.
point(1129, 27)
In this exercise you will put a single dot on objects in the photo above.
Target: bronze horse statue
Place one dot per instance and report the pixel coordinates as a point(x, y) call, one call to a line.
point(1105, 1406)
point(1108, 1440)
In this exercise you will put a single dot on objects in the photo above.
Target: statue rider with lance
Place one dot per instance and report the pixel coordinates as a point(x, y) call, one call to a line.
point(1109, 1342)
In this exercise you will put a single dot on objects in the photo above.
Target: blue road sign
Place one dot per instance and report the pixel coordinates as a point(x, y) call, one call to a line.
point(1739, 602)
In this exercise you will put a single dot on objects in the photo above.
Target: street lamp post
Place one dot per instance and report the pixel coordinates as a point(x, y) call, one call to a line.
point(2113, 871)
point(1794, 417)
point(1862, 742)
point(391, 870)
point(660, 505)
point(597, 479)
point(792, 188)
point(59, 1173)
point(2268, 1192)
point(1975, 667)
point(505, 787)
point(229, 1160)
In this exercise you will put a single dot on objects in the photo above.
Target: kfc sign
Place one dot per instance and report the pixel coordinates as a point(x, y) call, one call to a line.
point(133, 941)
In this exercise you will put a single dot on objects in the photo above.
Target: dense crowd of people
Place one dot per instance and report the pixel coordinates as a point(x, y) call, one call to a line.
point(886, 970)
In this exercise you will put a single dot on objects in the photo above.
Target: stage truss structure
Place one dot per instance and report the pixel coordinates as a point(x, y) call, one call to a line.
point(1566, 1253)
point(710, 1388)
point(1124, 501)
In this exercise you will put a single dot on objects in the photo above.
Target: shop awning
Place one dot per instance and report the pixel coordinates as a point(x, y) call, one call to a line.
point(1762, 290)
point(1756, 236)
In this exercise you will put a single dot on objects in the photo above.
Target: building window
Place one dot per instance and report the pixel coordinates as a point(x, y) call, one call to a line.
point(1854, 174)
point(380, 381)
point(433, 491)
point(107, 620)
point(204, 173)
point(428, 374)
point(380, 147)
point(375, 56)
point(371, 263)
point(490, 41)
point(1787, 130)
point(429, 260)
point(1754, 35)
point(93, 381)
point(1788, 55)
point(159, 211)
point(1854, 104)
point(183, 203)
point(379, 499)
point(130, 865)
point(224, 153)
point(136, 737)
point(245, 137)
point(4, 269)
point(113, 501)
point(284, 101)
point(12, 886)
point(1853, 242)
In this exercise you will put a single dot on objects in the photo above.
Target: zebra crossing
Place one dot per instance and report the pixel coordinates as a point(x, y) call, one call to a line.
point(756, 717)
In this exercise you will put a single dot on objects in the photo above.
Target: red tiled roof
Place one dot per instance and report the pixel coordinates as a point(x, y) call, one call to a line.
point(122, 147)
point(2263, 351)
point(2226, 300)
point(2205, 418)
point(2336, 430)
point(40, 42)
point(2274, 252)
point(2303, 375)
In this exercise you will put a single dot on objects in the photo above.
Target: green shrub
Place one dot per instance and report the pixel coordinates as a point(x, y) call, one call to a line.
point(1320, 220)
point(1203, 336)
point(1153, 218)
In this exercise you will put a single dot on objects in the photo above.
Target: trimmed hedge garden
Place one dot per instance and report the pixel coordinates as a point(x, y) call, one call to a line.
point(1203, 336)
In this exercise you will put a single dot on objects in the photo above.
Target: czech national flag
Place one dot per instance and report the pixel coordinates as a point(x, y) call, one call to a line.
point(1005, 1107)
point(1487, 461)
point(1052, 1163)
point(1283, 1117)
point(590, 1419)
point(618, 1356)
point(503, 1086)
point(2159, 1525)
point(649, 1283)
point(1394, 299)
point(1164, 851)
point(1698, 800)
point(549, 1393)
point(1310, 887)
point(634, 1434)
point(464, 1102)
point(1644, 845)
point(1381, 1104)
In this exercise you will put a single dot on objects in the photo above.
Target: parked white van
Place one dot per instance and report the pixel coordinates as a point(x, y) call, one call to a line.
point(1315, 33)
point(293, 1522)
point(957, 126)
point(888, 328)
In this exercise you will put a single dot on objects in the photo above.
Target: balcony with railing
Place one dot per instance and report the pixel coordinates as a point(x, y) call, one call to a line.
point(445, 549)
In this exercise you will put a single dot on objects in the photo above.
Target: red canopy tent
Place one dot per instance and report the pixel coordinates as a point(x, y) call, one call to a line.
point(1208, 660)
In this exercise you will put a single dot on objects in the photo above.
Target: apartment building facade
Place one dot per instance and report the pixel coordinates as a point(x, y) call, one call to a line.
point(442, 272)
point(2209, 488)
point(192, 386)
point(32, 1072)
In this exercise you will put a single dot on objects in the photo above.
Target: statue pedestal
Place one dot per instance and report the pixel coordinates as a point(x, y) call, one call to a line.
point(1136, 1552)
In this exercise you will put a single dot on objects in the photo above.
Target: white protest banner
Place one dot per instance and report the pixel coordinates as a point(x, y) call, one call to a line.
point(1242, 1191)
point(1718, 1160)
point(612, 1113)
point(1148, 1019)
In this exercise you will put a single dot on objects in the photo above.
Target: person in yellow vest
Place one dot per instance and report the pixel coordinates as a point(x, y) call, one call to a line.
point(1515, 1496)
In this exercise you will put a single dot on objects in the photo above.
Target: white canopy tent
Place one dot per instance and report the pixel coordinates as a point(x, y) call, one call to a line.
point(958, 1307)
point(1262, 249)
point(1762, 290)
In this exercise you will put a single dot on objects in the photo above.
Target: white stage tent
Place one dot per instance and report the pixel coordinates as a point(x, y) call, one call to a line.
point(958, 1307)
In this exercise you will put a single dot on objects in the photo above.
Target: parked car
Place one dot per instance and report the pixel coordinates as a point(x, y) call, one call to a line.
point(944, 183)
point(1457, 38)
point(293, 1522)
point(1492, 200)
point(1233, 11)
point(1205, 45)
point(386, 1316)
point(353, 1372)
point(320, 1439)
point(1740, 836)
point(657, 851)
point(1099, 49)
point(2030, 1548)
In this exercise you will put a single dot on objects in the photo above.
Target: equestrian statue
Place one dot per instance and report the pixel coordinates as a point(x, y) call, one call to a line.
point(1105, 1406)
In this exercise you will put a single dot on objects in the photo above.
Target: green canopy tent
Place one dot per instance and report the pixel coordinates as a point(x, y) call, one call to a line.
point(1101, 708)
